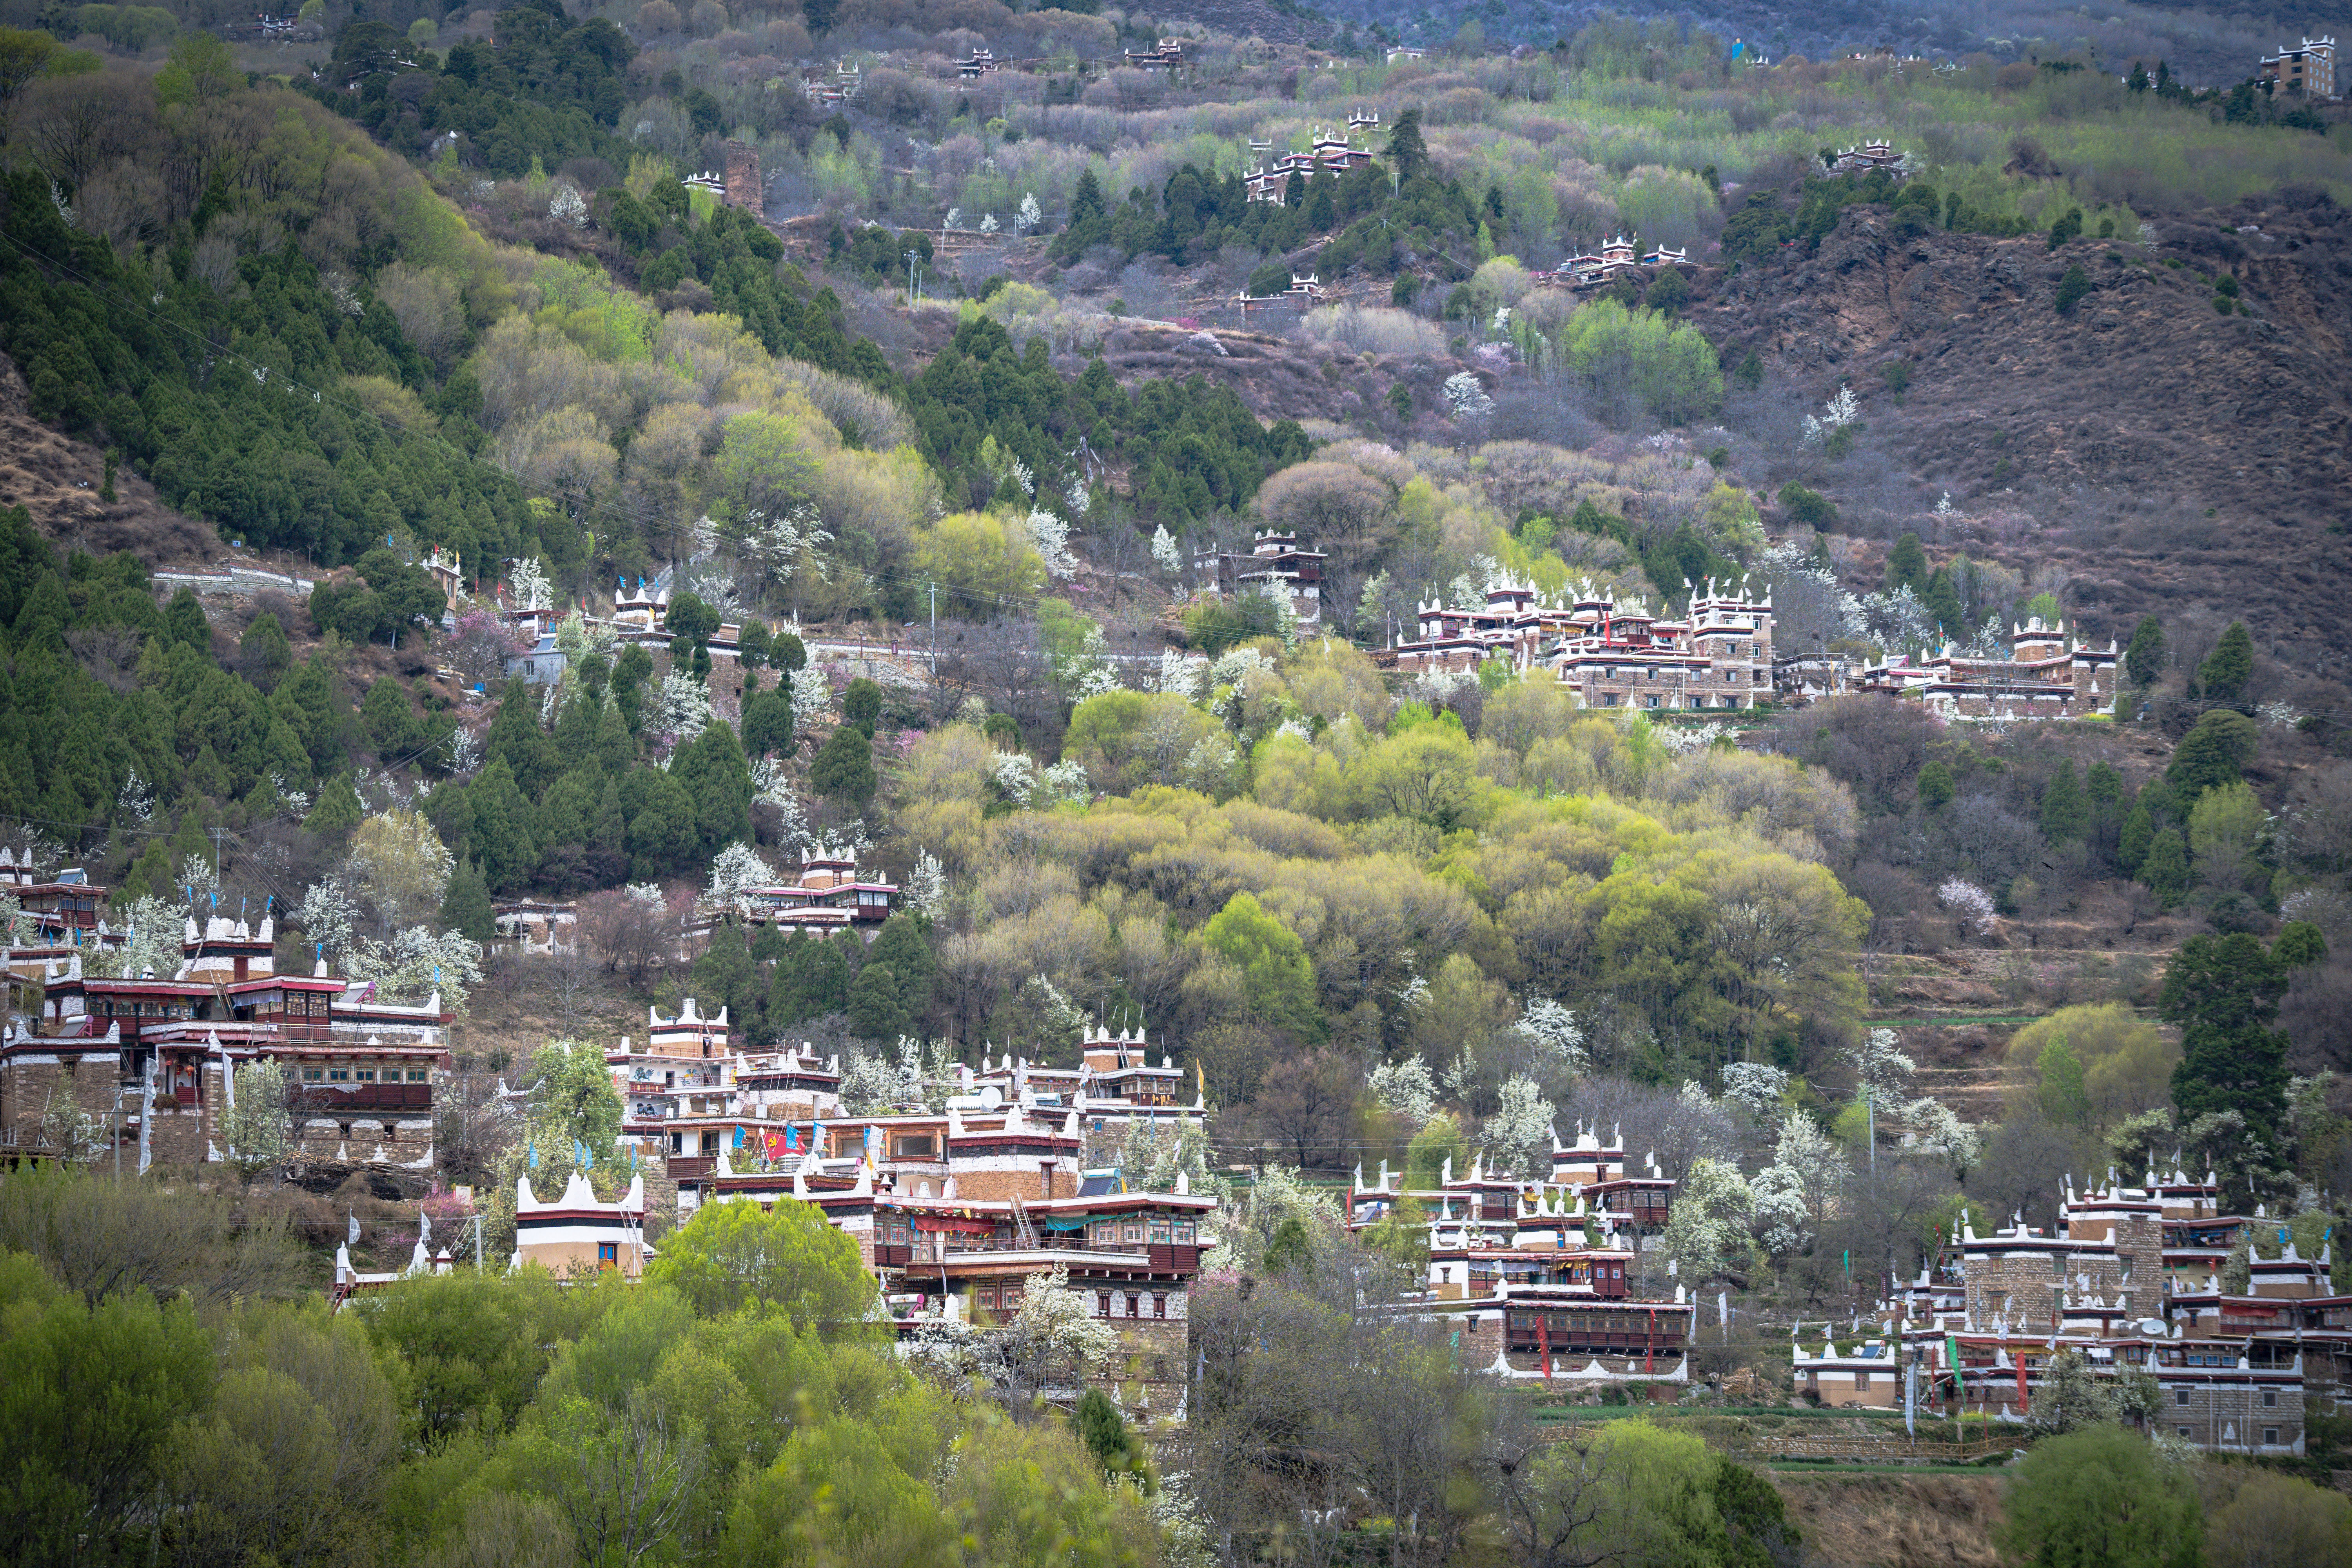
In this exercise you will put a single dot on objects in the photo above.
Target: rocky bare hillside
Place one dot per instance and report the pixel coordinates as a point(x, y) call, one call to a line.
point(2169, 455)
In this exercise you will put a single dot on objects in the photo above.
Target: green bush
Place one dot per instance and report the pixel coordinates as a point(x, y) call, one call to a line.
point(1808, 506)
point(2071, 288)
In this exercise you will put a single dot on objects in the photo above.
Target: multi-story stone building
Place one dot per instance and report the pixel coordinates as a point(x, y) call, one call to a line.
point(2048, 675)
point(152, 1057)
point(1977, 1332)
point(2309, 71)
point(1718, 655)
point(1542, 1279)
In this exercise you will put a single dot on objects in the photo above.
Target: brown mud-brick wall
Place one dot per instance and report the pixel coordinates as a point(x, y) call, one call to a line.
point(744, 189)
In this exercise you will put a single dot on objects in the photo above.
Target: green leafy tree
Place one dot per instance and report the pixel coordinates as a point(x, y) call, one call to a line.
point(1278, 977)
point(2063, 1099)
point(787, 1260)
point(1935, 785)
point(574, 1101)
point(92, 1393)
point(2102, 1498)
point(1440, 1140)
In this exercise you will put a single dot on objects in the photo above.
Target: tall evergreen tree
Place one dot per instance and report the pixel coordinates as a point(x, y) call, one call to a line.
point(1906, 566)
point(2223, 992)
point(2144, 659)
point(843, 769)
point(2224, 675)
point(2066, 813)
point(1407, 151)
point(465, 907)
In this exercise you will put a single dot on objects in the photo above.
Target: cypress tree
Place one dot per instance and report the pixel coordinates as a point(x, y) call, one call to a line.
point(465, 907)
point(1906, 564)
point(2165, 871)
point(338, 808)
point(616, 747)
point(2224, 674)
point(2066, 813)
point(2144, 659)
point(843, 769)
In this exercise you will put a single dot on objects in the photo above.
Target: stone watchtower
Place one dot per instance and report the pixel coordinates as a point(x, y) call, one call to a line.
point(744, 189)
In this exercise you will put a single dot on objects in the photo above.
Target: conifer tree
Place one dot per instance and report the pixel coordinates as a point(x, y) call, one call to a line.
point(843, 769)
point(2144, 659)
point(2224, 675)
point(465, 907)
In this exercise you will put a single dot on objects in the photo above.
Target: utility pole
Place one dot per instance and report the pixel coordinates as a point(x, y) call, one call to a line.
point(911, 256)
point(935, 629)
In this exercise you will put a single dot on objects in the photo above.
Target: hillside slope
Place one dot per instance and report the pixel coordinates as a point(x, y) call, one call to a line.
point(57, 480)
point(2116, 426)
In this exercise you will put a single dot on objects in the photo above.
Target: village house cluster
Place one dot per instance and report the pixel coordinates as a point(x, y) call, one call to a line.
point(1717, 655)
point(1616, 256)
point(1542, 1279)
point(146, 1063)
point(2128, 1282)
point(2050, 674)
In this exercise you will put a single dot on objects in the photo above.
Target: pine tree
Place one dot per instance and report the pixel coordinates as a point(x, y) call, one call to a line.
point(1943, 603)
point(2144, 659)
point(338, 808)
point(1087, 200)
point(876, 1012)
point(1906, 564)
point(2222, 993)
point(843, 769)
point(1407, 151)
point(615, 748)
point(465, 907)
point(861, 705)
point(2132, 843)
point(2224, 675)
point(2214, 752)
point(500, 834)
point(2066, 813)
point(2165, 870)
point(768, 724)
point(902, 946)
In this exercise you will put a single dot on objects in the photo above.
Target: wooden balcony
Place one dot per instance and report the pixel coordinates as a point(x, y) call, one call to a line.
point(334, 1098)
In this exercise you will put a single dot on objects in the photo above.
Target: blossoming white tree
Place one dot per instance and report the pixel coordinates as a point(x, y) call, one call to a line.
point(1518, 1137)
